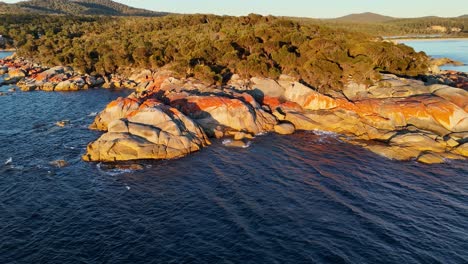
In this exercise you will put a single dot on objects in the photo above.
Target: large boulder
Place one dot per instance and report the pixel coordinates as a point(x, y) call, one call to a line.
point(63, 86)
point(45, 75)
point(457, 96)
point(16, 72)
point(220, 115)
point(267, 87)
point(426, 112)
point(117, 109)
point(275, 103)
point(153, 131)
point(284, 128)
point(390, 86)
point(308, 98)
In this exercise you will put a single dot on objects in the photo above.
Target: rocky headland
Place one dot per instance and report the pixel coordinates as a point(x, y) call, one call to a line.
point(166, 117)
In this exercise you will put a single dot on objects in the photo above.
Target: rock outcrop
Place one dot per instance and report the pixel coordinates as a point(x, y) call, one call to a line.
point(152, 131)
point(397, 118)
point(224, 115)
point(115, 110)
point(405, 119)
point(29, 76)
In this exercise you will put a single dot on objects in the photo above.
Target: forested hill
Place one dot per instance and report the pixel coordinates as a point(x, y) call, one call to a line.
point(211, 48)
point(75, 7)
point(365, 18)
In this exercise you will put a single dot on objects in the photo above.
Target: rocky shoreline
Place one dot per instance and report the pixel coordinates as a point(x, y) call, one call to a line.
point(29, 76)
point(166, 117)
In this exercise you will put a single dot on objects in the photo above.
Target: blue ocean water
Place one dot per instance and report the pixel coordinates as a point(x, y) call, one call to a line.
point(456, 49)
point(302, 198)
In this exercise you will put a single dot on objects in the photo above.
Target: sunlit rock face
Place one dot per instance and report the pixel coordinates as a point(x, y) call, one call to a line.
point(406, 120)
point(152, 131)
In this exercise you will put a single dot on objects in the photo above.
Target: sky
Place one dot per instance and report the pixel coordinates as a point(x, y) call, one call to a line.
point(305, 8)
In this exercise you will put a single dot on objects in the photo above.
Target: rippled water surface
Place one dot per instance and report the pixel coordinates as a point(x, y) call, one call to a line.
point(456, 49)
point(304, 198)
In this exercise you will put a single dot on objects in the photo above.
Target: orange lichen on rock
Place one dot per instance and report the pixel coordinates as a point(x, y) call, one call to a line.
point(116, 109)
point(316, 101)
point(274, 103)
point(124, 102)
point(404, 111)
point(193, 104)
point(248, 98)
point(150, 103)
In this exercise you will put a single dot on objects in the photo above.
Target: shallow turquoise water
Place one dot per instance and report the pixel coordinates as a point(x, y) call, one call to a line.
point(454, 49)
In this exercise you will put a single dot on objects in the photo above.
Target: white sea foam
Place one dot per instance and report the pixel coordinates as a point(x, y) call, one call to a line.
point(326, 136)
point(9, 161)
point(227, 141)
point(325, 133)
point(68, 147)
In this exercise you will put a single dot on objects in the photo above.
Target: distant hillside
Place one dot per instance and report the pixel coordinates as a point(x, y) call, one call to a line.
point(365, 18)
point(390, 27)
point(74, 7)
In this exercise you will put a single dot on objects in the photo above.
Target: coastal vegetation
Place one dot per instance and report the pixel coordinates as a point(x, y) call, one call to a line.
point(211, 48)
point(378, 25)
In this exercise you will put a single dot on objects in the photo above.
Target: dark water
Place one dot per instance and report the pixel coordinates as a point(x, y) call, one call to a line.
point(304, 198)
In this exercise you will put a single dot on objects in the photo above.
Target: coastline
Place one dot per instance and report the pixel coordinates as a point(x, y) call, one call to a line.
point(7, 50)
point(167, 118)
point(442, 55)
point(399, 41)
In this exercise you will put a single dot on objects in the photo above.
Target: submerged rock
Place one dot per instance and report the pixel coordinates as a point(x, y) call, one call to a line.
point(119, 166)
point(59, 163)
point(236, 143)
point(62, 123)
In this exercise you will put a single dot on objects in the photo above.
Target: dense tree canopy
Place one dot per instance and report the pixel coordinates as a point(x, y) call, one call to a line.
point(211, 48)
